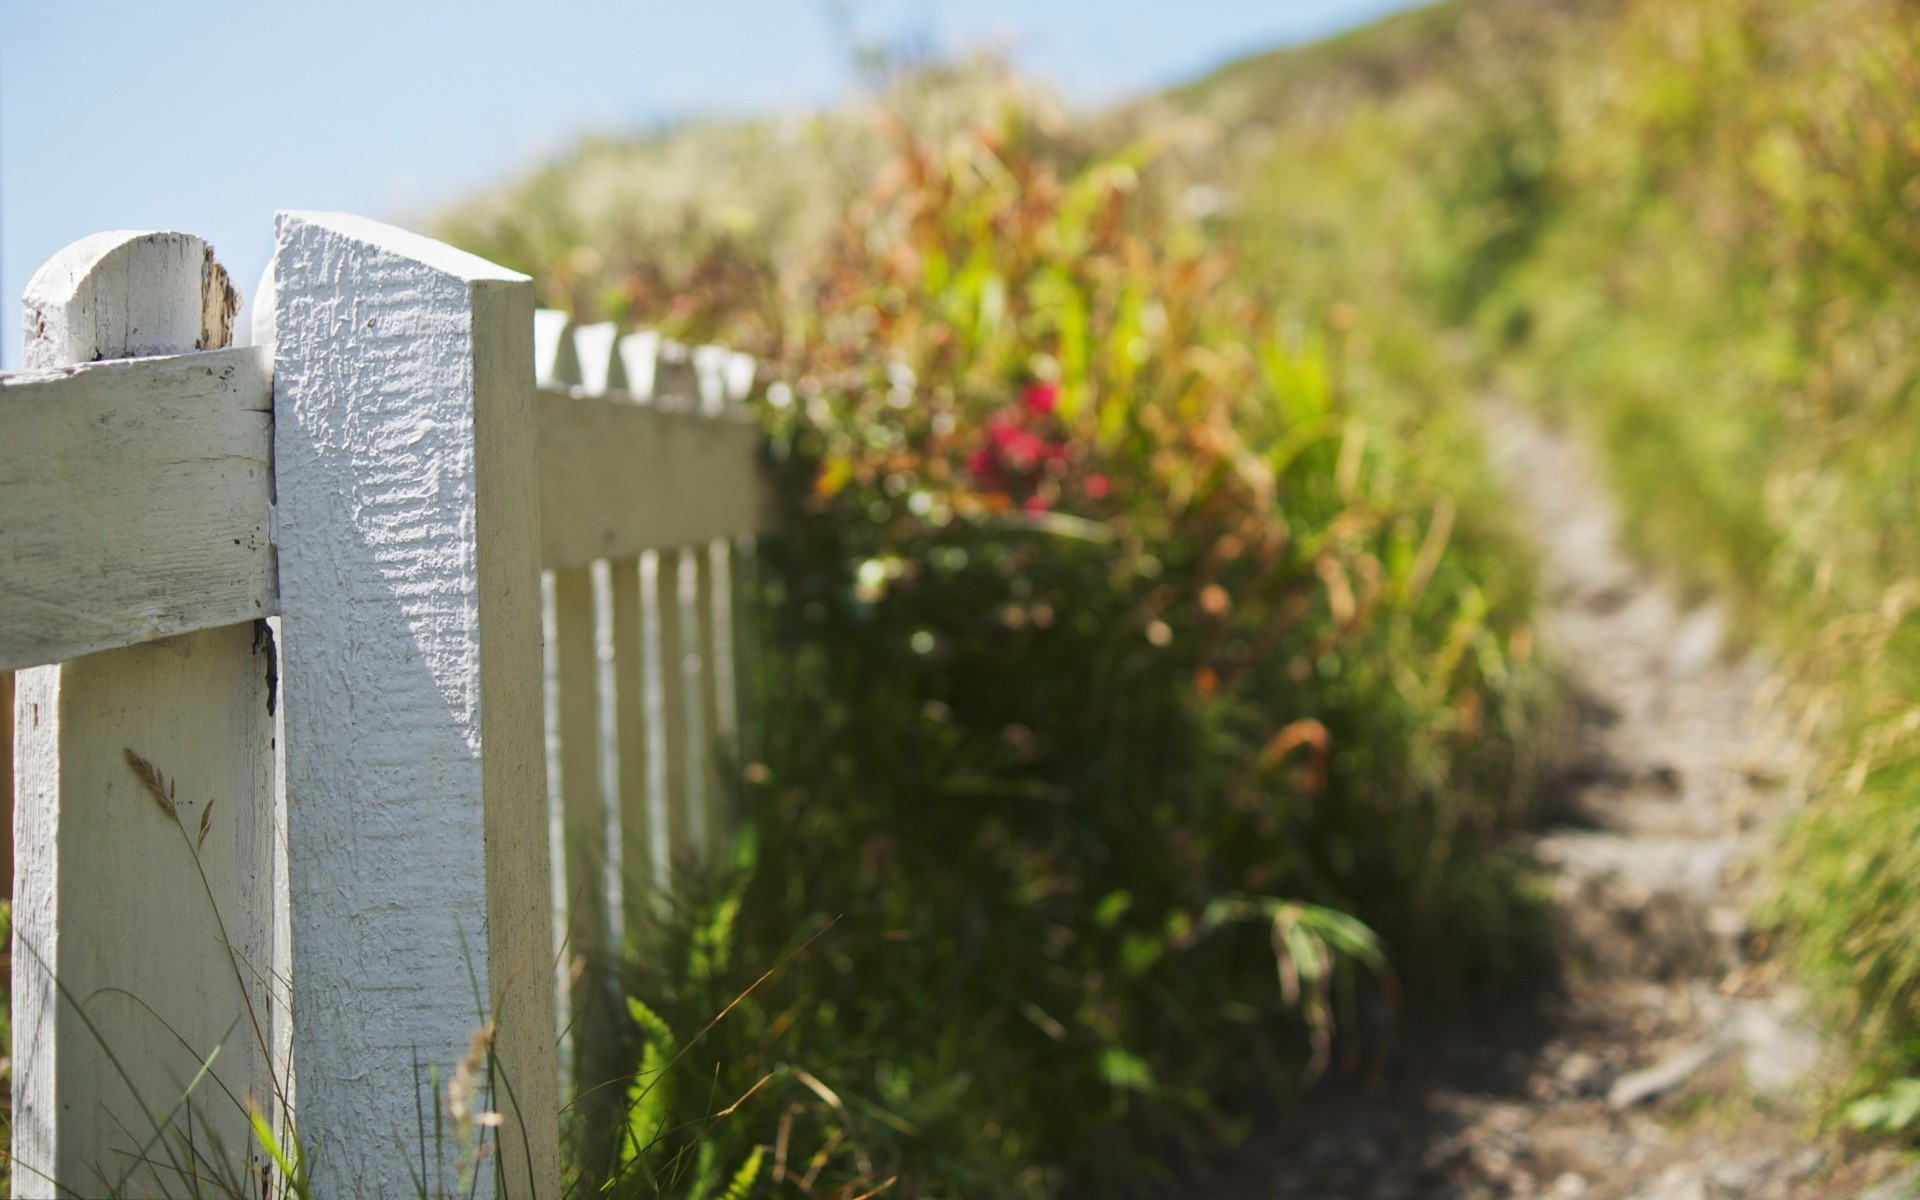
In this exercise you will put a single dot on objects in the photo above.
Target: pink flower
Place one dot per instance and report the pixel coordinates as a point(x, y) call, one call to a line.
point(1041, 399)
point(1035, 504)
point(1098, 487)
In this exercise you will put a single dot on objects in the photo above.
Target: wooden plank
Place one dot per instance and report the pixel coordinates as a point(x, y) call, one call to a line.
point(714, 753)
point(144, 885)
point(125, 294)
point(134, 502)
point(606, 688)
point(630, 741)
point(602, 369)
point(740, 370)
point(618, 478)
point(675, 384)
point(640, 361)
point(555, 363)
point(584, 831)
point(747, 676)
point(710, 371)
point(418, 853)
point(674, 744)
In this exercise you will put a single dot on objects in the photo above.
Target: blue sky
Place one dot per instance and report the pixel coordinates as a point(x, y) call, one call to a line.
point(206, 116)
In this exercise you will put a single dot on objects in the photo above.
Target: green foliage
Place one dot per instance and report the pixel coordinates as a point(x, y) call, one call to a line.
point(1691, 227)
point(1895, 1110)
point(1117, 655)
point(1728, 294)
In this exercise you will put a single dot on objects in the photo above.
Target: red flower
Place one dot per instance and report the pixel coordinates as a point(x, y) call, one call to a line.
point(1098, 487)
point(1035, 504)
point(1041, 399)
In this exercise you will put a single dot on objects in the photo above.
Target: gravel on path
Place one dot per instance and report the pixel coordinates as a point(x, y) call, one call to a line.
point(1672, 1061)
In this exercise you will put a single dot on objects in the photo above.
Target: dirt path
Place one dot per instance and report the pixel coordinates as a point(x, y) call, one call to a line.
point(1672, 1063)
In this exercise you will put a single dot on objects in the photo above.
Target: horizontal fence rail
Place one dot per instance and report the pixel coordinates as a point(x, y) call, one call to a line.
point(277, 721)
point(137, 496)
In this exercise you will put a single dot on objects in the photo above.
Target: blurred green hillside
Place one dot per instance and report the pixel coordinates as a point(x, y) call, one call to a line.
point(1688, 228)
point(1691, 229)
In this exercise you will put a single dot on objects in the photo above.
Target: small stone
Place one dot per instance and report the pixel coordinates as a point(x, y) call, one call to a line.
point(1566, 1186)
point(1664, 1076)
point(1580, 1073)
point(1779, 1052)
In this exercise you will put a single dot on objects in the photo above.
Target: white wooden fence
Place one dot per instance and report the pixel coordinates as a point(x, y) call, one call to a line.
point(287, 838)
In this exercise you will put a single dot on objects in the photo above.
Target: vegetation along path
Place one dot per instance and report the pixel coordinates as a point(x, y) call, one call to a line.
point(1671, 1063)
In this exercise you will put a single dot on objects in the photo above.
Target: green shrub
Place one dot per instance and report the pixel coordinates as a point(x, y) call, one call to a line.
point(1129, 722)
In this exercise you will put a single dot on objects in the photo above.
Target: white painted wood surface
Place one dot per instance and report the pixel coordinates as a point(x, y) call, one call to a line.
point(633, 790)
point(602, 370)
point(415, 775)
point(143, 887)
point(134, 500)
point(683, 827)
point(126, 294)
point(640, 361)
point(710, 753)
point(619, 478)
point(583, 807)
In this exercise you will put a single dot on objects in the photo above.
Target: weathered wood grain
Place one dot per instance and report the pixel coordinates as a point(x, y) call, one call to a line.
point(415, 780)
point(143, 889)
point(710, 761)
point(125, 294)
point(135, 499)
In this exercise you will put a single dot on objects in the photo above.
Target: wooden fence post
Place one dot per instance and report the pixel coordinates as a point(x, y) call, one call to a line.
point(417, 832)
point(143, 895)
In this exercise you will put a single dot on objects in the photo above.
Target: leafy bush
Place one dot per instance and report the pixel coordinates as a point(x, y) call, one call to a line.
point(1109, 664)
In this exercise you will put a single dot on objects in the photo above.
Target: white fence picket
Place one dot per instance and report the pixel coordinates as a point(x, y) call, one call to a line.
point(635, 852)
point(410, 597)
point(684, 831)
point(143, 895)
point(385, 429)
point(711, 753)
